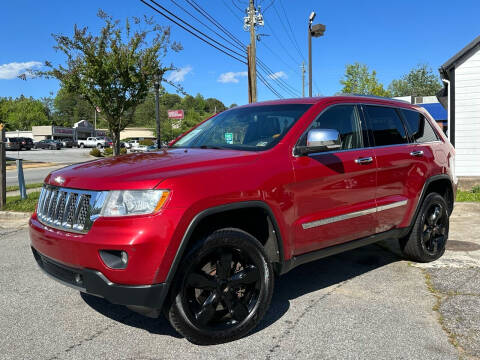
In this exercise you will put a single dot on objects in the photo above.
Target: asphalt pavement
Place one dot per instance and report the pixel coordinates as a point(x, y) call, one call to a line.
point(61, 157)
point(363, 304)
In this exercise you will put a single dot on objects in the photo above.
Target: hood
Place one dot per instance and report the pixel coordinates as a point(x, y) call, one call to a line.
point(144, 170)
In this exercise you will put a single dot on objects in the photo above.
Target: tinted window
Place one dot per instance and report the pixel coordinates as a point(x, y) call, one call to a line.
point(344, 119)
point(418, 127)
point(386, 125)
point(245, 128)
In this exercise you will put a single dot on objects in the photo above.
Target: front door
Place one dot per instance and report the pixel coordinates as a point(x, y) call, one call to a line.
point(334, 191)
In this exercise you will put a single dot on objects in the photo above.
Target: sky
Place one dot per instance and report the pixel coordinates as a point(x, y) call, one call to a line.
point(389, 37)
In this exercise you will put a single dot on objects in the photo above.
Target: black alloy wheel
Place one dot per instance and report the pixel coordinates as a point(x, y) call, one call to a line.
point(434, 229)
point(428, 237)
point(223, 290)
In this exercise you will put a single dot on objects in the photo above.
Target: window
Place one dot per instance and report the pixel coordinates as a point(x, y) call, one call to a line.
point(344, 119)
point(386, 125)
point(418, 127)
point(245, 128)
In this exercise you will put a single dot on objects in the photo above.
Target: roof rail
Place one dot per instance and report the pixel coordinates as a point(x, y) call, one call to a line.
point(375, 97)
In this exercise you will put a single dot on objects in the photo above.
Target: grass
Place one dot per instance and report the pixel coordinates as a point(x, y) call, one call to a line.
point(28, 186)
point(470, 196)
point(15, 203)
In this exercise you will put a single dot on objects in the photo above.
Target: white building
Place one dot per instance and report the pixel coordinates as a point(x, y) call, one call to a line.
point(461, 97)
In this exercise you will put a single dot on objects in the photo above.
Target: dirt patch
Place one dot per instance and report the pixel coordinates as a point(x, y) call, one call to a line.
point(31, 165)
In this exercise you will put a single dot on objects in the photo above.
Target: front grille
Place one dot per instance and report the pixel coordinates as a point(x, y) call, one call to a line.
point(69, 209)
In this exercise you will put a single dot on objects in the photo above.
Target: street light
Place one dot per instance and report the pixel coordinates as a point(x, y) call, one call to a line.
point(156, 84)
point(316, 30)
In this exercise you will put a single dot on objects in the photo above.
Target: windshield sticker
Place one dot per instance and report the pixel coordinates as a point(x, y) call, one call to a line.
point(262, 143)
point(229, 138)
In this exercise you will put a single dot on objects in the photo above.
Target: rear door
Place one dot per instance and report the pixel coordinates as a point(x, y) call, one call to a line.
point(334, 192)
point(400, 174)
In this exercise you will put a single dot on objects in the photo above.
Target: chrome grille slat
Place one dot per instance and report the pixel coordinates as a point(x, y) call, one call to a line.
point(69, 209)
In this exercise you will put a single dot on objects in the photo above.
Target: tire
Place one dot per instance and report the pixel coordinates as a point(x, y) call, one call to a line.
point(428, 237)
point(212, 307)
point(99, 146)
point(81, 145)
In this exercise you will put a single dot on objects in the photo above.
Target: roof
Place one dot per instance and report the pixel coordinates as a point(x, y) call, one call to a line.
point(437, 111)
point(467, 50)
point(315, 100)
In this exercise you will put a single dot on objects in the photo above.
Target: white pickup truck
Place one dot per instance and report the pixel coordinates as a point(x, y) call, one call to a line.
point(98, 142)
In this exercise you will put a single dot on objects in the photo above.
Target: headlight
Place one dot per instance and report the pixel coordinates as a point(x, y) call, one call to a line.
point(133, 202)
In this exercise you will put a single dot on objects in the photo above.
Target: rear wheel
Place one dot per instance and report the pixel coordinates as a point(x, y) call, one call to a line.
point(223, 289)
point(81, 145)
point(429, 235)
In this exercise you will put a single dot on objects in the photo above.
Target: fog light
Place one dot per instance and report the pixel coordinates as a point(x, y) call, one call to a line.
point(114, 259)
point(78, 279)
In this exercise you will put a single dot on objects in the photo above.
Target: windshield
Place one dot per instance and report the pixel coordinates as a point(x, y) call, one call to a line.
point(250, 128)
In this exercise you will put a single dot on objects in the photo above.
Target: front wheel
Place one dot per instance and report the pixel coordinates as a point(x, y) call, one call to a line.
point(223, 288)
point(428, 238)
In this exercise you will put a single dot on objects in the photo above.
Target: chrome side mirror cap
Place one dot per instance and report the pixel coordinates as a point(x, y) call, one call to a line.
point(319, 140)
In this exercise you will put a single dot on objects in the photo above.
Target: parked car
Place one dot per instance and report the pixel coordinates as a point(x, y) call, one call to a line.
point(202, 228)
point(68, 142)
point(25, 143)
point(12, 143)
point(48, 144)
point(132, 144)
point(91, 142)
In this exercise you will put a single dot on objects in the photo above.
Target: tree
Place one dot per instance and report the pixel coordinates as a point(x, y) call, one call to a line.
point(71, 108)
point(359, 80)
point(23, 113)
point(115, 69)
point(420, 81)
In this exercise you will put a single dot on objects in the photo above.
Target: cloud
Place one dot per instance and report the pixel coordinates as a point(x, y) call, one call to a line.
point(231, 77)
point(179, 75)
point(14, 69)
point(278, 75)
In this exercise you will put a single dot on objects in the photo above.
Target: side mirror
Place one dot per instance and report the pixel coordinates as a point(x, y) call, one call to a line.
point(319, 140)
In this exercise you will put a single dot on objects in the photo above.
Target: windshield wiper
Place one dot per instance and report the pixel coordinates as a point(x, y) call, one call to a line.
point(212, 147)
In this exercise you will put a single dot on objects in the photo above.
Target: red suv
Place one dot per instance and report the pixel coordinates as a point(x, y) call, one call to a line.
point(201, 229)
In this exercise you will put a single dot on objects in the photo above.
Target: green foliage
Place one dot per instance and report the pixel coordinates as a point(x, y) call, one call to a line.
point(96, 152)
point(115, 69)
point(15, 203)
point(108, 151)
point(420, 81)
point(123, 151)
point(476, 189)
point(22, 113)
point(359, 80)
point(71, 108)
point(468, 196)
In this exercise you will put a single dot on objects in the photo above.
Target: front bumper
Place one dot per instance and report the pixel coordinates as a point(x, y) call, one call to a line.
point(95, 283)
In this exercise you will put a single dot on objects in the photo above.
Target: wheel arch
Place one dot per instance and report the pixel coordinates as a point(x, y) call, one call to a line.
point(441, 184)
point(273, 245)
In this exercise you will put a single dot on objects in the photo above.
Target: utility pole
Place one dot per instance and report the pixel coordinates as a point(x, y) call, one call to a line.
point(303, 78)
point(249, 76)
point(252, 19)
point(157, 109)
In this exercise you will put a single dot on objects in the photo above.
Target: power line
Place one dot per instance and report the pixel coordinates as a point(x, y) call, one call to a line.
point(208, 27)
point(291, 30)
point(183, 21)
point(203, 12)
point(194, 34)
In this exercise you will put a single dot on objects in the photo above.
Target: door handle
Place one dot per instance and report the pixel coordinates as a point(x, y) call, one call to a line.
point(364, 161)
point(417, 153)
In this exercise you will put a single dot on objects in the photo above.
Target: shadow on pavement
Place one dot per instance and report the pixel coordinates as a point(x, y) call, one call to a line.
point(307, 278)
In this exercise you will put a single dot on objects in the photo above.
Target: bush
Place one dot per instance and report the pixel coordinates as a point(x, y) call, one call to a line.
point(108, 152)
point(123, 151)
point(476, 189)
point(95, 152)
point(147, 142)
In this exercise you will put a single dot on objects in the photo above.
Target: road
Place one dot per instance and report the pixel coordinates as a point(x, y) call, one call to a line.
point(35, 175)
point(61, 157)
point(363, 304)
